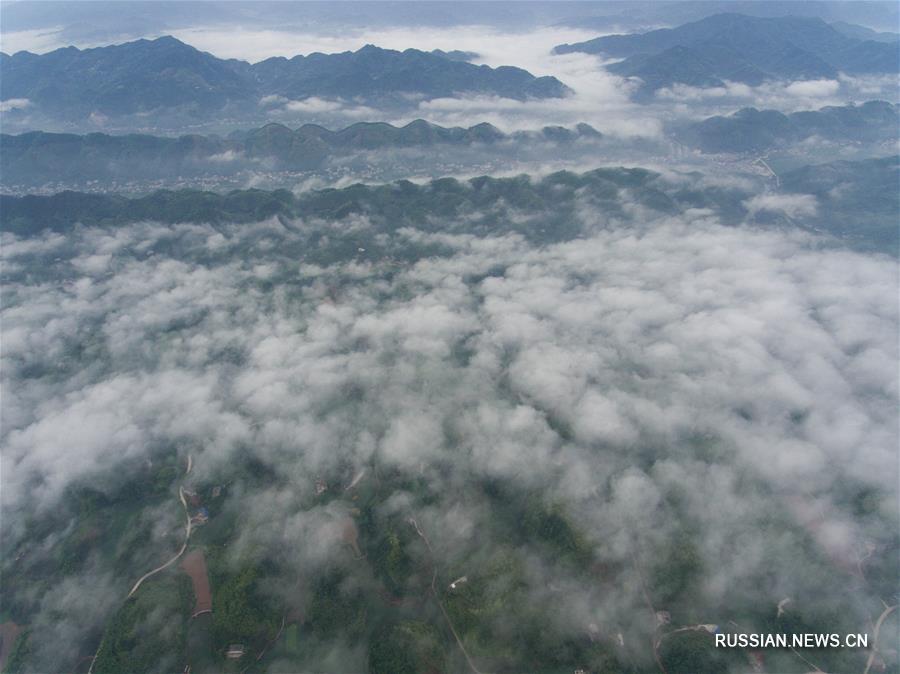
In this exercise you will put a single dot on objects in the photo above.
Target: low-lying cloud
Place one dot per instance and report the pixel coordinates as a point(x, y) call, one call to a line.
point(792, 205)
point(664, 375)
point(14, 104)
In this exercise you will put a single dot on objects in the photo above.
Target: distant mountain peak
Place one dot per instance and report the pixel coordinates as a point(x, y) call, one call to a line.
point(155, 76)
point(168, 39)
point(739, 48)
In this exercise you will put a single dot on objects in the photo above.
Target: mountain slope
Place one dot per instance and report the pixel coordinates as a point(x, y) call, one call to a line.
point(857, 199)
point(863, 33)
point(740, 48)
point(372, 72)
point(123, 79)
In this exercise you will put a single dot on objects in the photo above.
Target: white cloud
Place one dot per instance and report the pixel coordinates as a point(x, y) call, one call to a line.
point(14, 104)
point(792, 205)
point(783, 95)
point(313, 104)
point(665, 372)
point(813, 88)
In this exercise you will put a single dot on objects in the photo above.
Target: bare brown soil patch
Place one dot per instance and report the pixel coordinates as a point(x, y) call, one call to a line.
point(194, 565)
point(9, 632)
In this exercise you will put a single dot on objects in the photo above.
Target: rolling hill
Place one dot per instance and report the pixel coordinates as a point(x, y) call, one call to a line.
point(37, 157)
point(857, 203)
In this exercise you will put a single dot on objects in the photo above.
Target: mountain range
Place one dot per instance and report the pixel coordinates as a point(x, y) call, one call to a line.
point(391, 206)
point(739, 48)
point(644, 16)
point(38, 157)
point(146, 76)
point(752, 130)
point(863, 33)
point(856, 202)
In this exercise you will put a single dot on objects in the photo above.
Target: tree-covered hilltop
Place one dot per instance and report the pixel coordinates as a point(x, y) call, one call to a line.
point(752, 130)
point(37, 157)
point(863, 211)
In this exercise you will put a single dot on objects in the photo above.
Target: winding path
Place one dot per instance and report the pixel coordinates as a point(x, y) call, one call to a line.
point(412, 520)
point(187, 535)
point(656, 640)
point(887, 611)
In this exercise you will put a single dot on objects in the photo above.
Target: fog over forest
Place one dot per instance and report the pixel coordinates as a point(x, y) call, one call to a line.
point(415, 399)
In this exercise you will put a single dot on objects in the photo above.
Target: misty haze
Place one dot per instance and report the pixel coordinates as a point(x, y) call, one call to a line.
point(432, 337)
